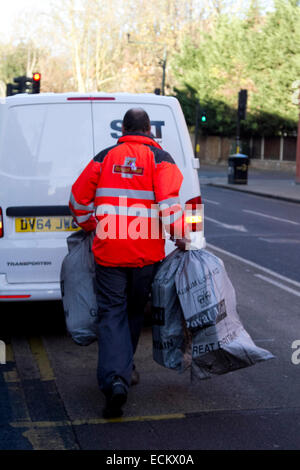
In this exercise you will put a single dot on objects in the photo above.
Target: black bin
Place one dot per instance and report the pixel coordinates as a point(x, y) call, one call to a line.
point(238, 169)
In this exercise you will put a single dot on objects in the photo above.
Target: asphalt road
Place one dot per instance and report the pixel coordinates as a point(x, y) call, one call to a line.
point(49, 395)
point(264, 231)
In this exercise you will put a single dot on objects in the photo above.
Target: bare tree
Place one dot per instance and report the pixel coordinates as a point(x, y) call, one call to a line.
point(85, 45)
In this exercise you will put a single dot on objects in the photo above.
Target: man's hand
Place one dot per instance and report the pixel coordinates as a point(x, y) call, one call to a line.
point(182, 243)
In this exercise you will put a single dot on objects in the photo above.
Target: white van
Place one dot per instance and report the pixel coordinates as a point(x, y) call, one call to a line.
point(46, 140)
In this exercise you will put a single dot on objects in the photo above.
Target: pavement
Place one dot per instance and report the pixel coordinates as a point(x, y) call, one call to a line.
point(273, 184)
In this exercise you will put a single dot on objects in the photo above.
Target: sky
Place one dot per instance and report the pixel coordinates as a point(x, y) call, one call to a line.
point(10, 9)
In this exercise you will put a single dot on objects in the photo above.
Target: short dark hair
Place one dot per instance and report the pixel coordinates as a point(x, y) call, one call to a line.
point(136, 120)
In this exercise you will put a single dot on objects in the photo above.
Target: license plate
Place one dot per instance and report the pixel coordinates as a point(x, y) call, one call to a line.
point(46, 224)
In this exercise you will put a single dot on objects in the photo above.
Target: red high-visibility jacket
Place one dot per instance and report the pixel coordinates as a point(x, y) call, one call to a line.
point(126, 193)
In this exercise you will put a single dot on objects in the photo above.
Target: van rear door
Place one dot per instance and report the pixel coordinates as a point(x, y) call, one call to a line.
point(44, 145)
point(107, 120)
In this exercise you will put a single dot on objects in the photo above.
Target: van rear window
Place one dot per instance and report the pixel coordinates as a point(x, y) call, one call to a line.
point(107, 120)
point(53, 140)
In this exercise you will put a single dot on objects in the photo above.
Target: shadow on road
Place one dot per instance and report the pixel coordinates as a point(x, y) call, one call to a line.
point(31, 318)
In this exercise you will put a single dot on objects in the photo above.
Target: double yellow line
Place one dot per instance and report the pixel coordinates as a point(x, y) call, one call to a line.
point(41, 357)
point(10, 376)
point(93, 421)
point(44, 434)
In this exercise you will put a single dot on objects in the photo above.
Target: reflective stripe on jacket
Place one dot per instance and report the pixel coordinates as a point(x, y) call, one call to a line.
point(126, 193)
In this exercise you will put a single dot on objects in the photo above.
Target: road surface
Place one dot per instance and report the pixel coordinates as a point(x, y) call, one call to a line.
point(49, 394)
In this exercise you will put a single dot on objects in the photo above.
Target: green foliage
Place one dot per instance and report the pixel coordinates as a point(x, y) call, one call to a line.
point(220, 116)
point(188, 100)
point(13, 62)
point(260, 53)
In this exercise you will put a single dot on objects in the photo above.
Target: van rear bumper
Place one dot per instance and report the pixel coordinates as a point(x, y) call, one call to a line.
point(18, 292)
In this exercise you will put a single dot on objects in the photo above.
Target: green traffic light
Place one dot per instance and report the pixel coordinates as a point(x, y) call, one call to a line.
point(203, 118)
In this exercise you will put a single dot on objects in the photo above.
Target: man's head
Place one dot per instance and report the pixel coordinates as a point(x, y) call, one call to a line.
point(136, 120)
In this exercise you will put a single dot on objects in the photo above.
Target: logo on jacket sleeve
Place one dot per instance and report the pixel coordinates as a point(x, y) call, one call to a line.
point(129, 168)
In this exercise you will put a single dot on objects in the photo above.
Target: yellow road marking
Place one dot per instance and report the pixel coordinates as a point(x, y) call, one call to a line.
point(44, 435)
point(9, 353)
point(10, 376)
point(38, 432)
point(44, 439)
point(41, 357)
point(80, 422)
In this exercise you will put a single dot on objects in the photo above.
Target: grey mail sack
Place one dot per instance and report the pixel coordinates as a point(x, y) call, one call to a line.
point(77, 280)
point(167, 329)
point(219, 342)
point(200, 327)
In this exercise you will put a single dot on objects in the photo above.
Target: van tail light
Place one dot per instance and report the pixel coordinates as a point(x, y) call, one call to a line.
point(1, 223)
point(91, 98)
point(194, 214)
point(9, 297)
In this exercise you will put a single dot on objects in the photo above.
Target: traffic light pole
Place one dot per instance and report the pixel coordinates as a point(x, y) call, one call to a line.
point(162, 62)
point(241, 115)
point(238, 131)
point(196, 128)
point(298, 149)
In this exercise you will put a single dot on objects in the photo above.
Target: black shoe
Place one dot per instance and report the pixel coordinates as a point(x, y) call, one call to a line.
point(116, 399)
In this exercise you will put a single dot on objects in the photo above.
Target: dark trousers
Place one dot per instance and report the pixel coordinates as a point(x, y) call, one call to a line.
point(122, 294)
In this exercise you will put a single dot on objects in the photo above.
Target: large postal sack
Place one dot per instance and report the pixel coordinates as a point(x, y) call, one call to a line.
point(167, 329)
point(195, 317)
point(218, 341)
point(77, 278)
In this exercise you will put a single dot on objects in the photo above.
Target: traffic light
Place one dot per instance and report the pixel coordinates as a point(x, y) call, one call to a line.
point(24, 84)
point(203, 117)
point(36, 82)
point(9, 89)
point(19, 85)
point(242, 107)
